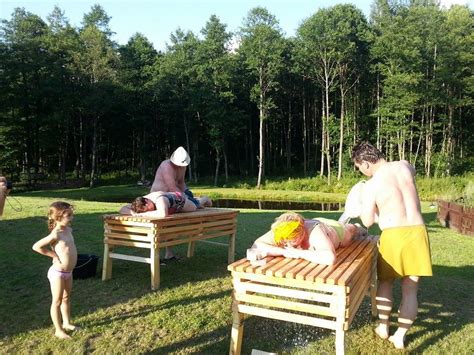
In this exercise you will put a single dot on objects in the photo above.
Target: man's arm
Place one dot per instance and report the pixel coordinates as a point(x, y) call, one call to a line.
point(369, 206)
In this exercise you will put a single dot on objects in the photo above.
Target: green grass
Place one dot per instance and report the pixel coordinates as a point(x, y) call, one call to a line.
point(191, 311)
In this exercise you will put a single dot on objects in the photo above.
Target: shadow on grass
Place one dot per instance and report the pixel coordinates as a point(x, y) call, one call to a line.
point(25, 296)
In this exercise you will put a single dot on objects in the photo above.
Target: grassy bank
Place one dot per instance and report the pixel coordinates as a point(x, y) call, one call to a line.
point(191, 312)
point(313, 189)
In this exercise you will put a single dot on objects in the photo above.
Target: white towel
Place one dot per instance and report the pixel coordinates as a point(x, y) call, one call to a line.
point(353, 206)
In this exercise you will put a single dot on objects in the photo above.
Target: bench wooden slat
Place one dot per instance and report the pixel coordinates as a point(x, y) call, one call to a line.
point(159, 232)
point(346, 253)
point(284, 304)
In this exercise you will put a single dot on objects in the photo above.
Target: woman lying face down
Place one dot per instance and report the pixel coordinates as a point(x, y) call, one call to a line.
point(315, 240)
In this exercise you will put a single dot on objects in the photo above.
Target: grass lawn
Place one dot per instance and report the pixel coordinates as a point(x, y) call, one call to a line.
point(191, 311)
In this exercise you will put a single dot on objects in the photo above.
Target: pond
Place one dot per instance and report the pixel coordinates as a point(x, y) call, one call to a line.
point(278, 205)
point(260, 205)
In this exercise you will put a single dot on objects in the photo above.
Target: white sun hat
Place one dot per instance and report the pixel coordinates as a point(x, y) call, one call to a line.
point(180, 157)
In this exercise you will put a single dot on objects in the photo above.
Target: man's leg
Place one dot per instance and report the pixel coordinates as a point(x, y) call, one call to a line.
point(408, 310)
point(384, 307)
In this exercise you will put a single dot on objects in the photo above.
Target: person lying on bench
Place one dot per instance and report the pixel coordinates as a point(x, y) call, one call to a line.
point(315, 240)
point(162, 204)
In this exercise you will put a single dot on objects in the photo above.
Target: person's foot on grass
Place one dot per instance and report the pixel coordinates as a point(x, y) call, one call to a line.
point(171, 259)
point(61, 334)
point(382, 331)
point(398, 341)
point(70, 327)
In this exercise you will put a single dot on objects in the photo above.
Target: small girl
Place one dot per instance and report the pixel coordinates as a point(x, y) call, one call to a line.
point(59, 245)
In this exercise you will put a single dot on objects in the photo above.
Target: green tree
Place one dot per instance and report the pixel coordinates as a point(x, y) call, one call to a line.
point(137, 59)
point(262, 47)
point(96, 61)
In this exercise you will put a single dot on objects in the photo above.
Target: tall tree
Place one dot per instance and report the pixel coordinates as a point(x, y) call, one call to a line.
point(262, 47)
point(97, 62)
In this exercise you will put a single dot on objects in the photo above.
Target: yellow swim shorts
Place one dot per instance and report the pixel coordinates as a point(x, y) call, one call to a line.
point(404, 251)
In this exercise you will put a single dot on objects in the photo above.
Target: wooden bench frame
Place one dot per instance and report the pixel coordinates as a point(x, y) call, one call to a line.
point(296, 290)
point(156, 233)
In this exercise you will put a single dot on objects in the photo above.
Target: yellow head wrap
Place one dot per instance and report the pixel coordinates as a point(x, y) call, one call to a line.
point(286, 230)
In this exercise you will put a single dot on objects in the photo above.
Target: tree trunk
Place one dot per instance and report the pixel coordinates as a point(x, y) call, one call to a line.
point(218, 162)
point(323, 136)
point(261, 147)
point(304, 134)
point(341, 135)
point(288, 137)
point(93, 175)
point(186, 132)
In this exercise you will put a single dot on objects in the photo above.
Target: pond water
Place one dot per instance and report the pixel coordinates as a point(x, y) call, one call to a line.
point(262, 205)
point(278, 205)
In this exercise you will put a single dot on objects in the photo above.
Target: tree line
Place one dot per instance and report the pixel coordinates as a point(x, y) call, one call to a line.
point(73, 103)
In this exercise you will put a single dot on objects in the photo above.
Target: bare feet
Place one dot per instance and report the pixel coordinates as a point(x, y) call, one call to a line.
point(70, 327)
point(61, 334)
point(206, 201)
point(382, 331)
point(397, 341)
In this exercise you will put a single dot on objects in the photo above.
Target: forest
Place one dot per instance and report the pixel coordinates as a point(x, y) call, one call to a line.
point(255, 103)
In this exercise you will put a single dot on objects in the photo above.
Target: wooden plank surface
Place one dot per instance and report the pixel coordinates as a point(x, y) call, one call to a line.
point(348, 263)
point(196, 215)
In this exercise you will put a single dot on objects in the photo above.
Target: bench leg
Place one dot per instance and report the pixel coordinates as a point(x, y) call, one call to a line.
point(237, 332)
point(339, 342)
point(231, 253)
point(107, 264)
point(155, 266)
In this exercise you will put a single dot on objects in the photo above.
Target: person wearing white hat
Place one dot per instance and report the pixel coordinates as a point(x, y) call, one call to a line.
point(169, 177)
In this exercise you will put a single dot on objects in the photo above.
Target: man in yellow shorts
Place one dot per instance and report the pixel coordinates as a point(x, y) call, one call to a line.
point(390, 199)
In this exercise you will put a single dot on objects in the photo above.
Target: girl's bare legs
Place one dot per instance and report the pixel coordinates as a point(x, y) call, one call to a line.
point(384, 302)
point(408, 310)
point(57, 289)
point(66, 305)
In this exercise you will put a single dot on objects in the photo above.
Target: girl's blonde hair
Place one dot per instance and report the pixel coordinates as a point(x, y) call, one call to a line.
point(56, 212)
point(288, 226)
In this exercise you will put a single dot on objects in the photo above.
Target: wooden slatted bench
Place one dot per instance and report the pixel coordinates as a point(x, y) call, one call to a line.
point(155, 233)
point(298, 291)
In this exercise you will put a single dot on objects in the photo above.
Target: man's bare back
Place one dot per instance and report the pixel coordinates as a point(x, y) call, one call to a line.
point(169, 178)
point(392, 191)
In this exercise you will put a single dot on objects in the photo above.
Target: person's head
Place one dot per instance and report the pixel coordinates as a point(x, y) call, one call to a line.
point(60, 213)
point(288, 230)
point(180, 157)
point(364, 155)
point(355, 230)
point(142, 204)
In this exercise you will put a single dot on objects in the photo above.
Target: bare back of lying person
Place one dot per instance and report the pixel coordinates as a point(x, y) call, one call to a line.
point(161, 204)
point(315, 240)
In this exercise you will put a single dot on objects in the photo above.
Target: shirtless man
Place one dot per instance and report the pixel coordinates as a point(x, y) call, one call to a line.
point(169, 177)
point(315, 240)
point(391, 200)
